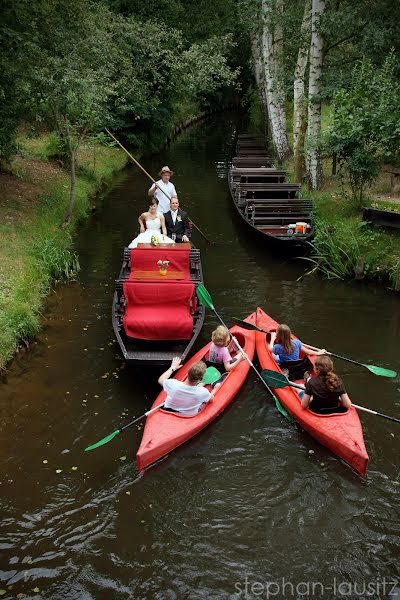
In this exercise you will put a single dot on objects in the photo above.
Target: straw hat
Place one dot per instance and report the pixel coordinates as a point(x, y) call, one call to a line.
point(166, 170)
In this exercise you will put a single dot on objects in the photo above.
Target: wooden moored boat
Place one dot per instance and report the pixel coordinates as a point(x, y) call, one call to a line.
point(340, 432)
point(156, 317)
point(273, 211)
point(164, 431)
point(270, 207)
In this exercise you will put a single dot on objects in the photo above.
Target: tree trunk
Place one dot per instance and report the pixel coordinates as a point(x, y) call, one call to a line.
point(72, 192)
point(299, 74)
point(273, 82)
point(255, 39)
point(299, 155)
point(314, 97)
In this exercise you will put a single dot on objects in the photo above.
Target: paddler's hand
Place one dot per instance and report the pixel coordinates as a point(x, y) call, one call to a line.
point(176, 363)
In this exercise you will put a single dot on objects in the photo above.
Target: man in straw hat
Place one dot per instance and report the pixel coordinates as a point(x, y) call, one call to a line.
point(165, 185)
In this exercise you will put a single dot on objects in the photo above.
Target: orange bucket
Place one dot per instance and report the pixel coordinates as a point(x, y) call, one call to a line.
point(301, 227)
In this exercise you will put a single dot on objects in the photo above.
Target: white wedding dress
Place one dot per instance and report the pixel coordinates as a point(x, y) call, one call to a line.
point(153, 227)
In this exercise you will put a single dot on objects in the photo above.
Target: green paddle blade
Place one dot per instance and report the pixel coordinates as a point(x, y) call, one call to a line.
point(105, 440)
point(380, 371)
point(212, 374)
point(282, 410)
point(274, 379)
point(204, 296)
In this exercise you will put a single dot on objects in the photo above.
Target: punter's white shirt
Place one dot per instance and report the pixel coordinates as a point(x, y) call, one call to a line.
point(187, 399)
point(163, 202)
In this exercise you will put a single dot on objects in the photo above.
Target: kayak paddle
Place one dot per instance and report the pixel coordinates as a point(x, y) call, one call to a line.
point(279, 380)
point(372, 368)
point(205, 298)
point(112, 435)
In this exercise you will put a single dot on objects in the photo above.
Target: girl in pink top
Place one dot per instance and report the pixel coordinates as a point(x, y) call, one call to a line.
point(219, 353)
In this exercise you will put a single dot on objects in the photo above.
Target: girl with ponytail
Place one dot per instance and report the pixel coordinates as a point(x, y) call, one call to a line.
point(286, 352)
point(325, 393)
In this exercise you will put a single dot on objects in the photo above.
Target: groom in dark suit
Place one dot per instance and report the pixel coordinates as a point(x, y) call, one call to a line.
point(177, 222)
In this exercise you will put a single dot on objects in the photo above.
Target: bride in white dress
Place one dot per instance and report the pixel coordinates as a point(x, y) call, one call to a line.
point(152, 223)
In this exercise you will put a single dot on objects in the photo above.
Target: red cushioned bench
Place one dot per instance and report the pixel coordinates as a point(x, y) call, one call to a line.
point(159, 311)
point(145, 259)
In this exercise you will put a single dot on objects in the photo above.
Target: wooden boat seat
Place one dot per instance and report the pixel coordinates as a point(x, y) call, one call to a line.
point(279, 202)
point(270, 201)
point(271, 177)
point(159, 311)
point(256, 171)
point(270, 186)
point(280, 219)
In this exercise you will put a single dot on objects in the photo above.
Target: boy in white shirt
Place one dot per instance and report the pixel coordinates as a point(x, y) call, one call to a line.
point(185, 397)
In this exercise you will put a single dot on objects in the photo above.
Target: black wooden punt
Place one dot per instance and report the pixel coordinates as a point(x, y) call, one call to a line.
point(145, 352)
point(268, 205)
point(384, 218)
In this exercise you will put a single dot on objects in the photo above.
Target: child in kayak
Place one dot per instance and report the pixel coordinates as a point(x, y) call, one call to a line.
point(220, 356)
point(286, 352)
point(325, 393)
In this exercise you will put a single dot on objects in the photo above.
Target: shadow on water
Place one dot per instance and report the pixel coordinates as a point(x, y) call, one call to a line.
point(246, 498)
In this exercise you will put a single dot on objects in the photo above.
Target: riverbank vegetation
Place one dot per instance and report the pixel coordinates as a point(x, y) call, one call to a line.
point(34, 250)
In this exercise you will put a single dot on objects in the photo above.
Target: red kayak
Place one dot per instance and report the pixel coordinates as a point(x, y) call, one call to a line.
point(164, 431)
point(341, 432)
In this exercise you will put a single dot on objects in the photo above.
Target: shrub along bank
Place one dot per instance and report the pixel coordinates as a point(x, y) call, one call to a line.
point(347, 247)
point(34, 250)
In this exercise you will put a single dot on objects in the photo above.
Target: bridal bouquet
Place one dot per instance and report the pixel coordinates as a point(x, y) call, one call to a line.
point(155, 240)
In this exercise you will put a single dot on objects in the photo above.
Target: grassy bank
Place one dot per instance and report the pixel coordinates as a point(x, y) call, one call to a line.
point(345, 245)
point(33, 249)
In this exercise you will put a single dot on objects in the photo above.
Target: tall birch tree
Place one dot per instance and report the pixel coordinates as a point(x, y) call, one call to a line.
point(271, 51)
point(314, 165)
point(255, 41)
point(299, 101)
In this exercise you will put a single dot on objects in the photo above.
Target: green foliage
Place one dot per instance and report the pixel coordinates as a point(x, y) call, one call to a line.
point(335, 250)
point(55, 256)
point(341, 240)
point(366, 128)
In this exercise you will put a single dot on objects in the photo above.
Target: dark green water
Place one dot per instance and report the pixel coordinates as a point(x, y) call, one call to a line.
point(248, 502)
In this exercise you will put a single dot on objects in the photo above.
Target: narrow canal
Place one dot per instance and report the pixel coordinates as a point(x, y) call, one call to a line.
point(248, 506)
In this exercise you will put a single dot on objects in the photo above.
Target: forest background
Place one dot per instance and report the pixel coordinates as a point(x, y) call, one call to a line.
point(319, 77)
